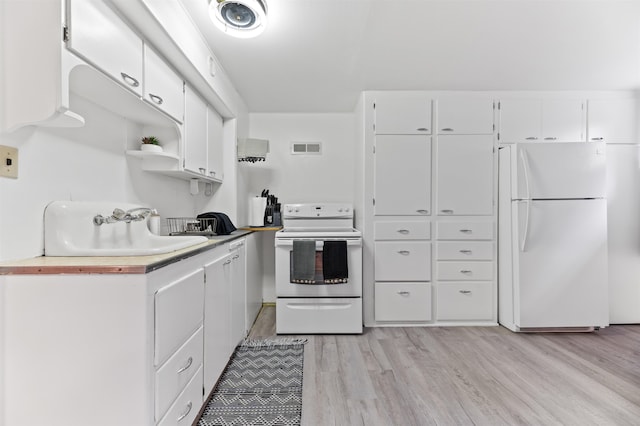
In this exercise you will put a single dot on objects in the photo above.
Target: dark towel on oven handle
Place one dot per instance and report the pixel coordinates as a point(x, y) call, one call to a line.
point(334, 262)
point(304, 262)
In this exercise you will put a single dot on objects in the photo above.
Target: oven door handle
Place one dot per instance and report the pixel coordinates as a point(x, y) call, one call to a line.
point(280, 242)
point(319, 306)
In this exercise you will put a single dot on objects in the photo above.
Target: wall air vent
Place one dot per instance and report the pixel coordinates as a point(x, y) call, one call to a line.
point(310, 148)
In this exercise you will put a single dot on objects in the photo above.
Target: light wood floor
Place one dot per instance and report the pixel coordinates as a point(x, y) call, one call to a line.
point(469, 376)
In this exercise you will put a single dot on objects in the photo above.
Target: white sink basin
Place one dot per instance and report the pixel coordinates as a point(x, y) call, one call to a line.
point(69, 231)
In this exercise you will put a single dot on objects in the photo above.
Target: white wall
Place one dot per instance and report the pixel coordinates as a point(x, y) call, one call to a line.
point(86, 163)
point(301, 178)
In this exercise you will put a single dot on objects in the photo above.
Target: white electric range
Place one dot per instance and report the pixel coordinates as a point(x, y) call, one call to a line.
point(318, 308)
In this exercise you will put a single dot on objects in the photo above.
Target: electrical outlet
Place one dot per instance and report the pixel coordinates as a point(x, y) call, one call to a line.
point(8, 161)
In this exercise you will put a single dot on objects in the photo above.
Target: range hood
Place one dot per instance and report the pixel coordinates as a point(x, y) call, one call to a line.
point(252, 150)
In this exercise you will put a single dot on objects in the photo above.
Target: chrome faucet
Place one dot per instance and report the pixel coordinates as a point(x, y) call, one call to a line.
point(119, 215)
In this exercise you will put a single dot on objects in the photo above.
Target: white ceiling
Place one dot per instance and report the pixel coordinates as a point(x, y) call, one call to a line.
point(318, 55)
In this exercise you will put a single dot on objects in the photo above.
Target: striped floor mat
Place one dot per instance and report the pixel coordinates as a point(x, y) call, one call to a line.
point(262, 385)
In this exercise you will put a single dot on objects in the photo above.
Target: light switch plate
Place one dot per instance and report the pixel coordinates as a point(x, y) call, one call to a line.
point(8, 161)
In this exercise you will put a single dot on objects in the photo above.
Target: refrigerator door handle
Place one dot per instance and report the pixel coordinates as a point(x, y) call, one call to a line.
point(525, 170)
point(525, 233)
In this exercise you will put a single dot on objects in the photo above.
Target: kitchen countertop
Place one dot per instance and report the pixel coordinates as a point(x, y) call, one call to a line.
point(111, 264)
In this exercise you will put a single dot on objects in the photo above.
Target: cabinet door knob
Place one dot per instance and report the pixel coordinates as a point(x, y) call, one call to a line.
point(404, 252)
point(531, 138)
point(465, 291)
point(156, 99)
point(130, 80)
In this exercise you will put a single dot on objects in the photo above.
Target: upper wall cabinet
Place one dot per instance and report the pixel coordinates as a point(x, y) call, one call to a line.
point(195, 133)
point(536, 120)
point(215, 136)
point(465, 116)
point(400, 115)
point(163, 88)
point(613, 120)
point(98, 35)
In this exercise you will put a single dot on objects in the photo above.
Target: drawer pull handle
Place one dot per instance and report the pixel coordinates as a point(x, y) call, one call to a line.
point(404, 293)
point(422, 129)
point(422, 211)
point(186, 411)
point(532, 138)
point(447, 129)
point(466, 231)
point(465, 291)
point(236, 257)
point(404, 252)
point(227, 262)
point(403, 231)
point(447, 211)
point(186, 365)
point(130, 80)
point(466, 271)
point(466, 251)
point(597, 139)
point(550, 139)
point(156, 99)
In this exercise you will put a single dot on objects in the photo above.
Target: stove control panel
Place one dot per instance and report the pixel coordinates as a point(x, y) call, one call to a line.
point(320, 210)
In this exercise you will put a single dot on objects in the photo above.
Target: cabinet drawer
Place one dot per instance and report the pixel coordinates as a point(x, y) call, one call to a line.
point(467, 250)
point(186, 407)
point(465, 271)
point(465, 301)
point(464, 230)
point(178, 313)
point(402, 230)
point(319, 315)
point(174, 375)
point(403, 261)
point(403, 302)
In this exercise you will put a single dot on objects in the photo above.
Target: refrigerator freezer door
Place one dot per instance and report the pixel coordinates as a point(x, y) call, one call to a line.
point(561, 272)
point(570, 170)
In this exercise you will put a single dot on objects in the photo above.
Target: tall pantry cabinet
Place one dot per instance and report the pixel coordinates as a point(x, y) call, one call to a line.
point(429, 215)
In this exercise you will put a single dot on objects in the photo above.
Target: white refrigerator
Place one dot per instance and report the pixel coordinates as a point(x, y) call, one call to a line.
point(552, 248)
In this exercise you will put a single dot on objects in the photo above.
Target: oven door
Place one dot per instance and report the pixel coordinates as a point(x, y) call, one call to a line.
point(285, 288)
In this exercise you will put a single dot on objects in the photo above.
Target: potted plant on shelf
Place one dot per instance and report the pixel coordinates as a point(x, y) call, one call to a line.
point(150, 143)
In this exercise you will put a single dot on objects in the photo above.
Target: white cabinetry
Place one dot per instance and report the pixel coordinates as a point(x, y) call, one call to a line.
point(613, 120)
point(402, 115)
point(125, 346)
point(402, 184)
point(417, 281)
point(544, 120)
point(217, 317)
point(465, 116)
point(214, 143)
point(465, 175)
point(239, 329)
point(195, 133)
point(163, 88)
point(115, 48)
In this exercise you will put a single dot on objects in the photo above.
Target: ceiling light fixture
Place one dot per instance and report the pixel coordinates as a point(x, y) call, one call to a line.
point(239, 18)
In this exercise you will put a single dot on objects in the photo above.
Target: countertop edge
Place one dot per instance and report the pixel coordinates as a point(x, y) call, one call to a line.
point(43, 265)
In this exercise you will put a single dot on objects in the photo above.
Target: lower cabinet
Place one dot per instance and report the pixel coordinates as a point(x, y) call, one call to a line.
point(119, 349)
point(403, 301)
point(470, 301)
